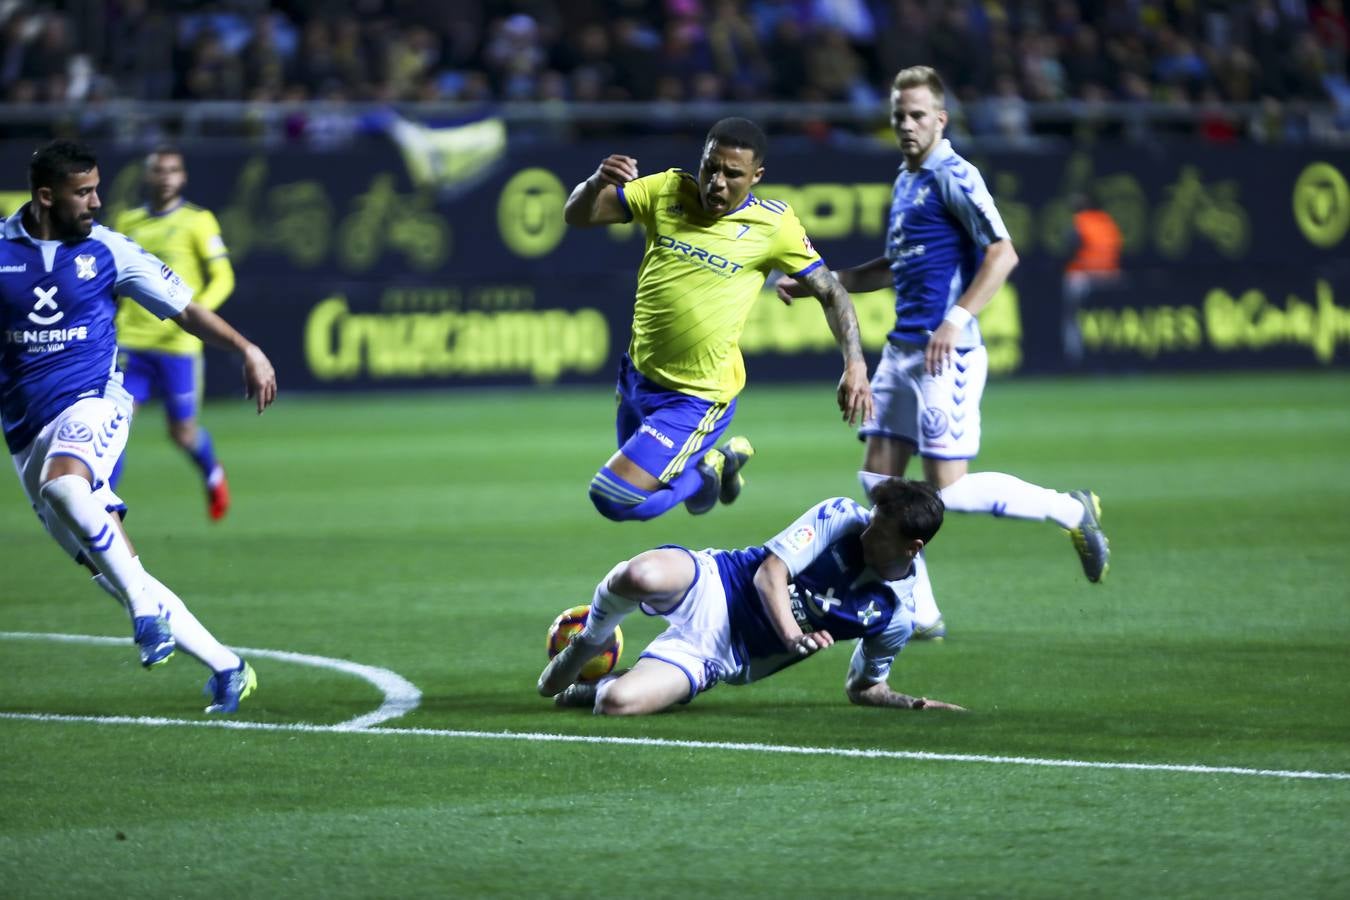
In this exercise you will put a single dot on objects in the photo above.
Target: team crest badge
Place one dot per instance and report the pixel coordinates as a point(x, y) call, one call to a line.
point(84, 267)
point(806, 241)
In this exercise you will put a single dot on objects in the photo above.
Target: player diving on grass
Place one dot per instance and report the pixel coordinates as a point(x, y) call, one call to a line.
point(157, 355)
point(65, 414)
point(947, 254)
point(838, 572)
point(710, 243)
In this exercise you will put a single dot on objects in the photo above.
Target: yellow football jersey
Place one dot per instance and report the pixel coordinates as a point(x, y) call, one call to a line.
point(700, 275)
point(187, 238)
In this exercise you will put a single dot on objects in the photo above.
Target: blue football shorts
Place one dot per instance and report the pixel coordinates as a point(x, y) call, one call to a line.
point(172, 376)
point(664, 430)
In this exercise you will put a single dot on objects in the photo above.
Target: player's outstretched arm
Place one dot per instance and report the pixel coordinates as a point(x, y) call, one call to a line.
point(880, 694)
point(872, 275)
point(260, 379)
point(854, 393)
point(596, 200)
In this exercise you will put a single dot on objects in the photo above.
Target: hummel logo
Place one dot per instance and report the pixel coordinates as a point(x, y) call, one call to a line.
point(21, 267)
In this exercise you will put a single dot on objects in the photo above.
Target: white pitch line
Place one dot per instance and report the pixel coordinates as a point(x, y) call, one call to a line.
point(403, 696)
point(400, 695)
point(543, 737)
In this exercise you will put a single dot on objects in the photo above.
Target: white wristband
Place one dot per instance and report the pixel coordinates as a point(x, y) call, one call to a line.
point(958, 316)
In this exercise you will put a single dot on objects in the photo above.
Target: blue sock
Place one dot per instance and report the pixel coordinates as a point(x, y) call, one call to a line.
point(205, 453)
point(620, 501)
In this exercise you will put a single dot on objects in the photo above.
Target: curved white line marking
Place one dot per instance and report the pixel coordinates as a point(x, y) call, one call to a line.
point(400, 695)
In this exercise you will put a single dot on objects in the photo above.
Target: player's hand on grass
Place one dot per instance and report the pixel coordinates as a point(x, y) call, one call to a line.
point(616, 169)
point(806, 644)
point(855, 394)
point(260, 379)
point(926, 703)
point(789, 289)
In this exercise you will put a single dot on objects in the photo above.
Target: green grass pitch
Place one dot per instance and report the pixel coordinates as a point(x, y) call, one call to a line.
point(437, 535)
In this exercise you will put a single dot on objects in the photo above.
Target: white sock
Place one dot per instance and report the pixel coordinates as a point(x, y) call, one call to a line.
point(72, 499)
point(1004, 495)
point(608, 609)
point(869, 480)
point(190, 634)
point(926, 612)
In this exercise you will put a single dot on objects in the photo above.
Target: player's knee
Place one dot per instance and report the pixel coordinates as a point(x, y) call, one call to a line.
point(616, 499)
point(615, 698)
point(643, 574)
point(64, 491)
point(184, 439)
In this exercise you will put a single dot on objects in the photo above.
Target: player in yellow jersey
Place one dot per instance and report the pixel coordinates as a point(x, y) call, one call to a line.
point(158, 356)
point(710, 244)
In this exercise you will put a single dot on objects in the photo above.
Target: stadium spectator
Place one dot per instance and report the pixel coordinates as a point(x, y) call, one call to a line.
point(214, 73)
point(758, 50)
point(787, 48)
point(838, 572)
point(737, 57)
point(264, 62)
point(1003, 114)
point(834, 69)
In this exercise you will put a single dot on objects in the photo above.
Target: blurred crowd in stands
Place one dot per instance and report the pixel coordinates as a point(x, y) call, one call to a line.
point(1274, 55)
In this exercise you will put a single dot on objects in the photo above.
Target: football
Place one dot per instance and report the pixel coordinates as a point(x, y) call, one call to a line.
point(568, 623)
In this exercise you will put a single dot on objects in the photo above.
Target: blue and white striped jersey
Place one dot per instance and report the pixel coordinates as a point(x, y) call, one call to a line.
point(832, 590)
point(57, 302)
point(942, 217)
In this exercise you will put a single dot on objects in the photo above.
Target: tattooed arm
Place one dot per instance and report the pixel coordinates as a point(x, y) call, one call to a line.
point(881, 694)
point(854, 394)
point(872, 275)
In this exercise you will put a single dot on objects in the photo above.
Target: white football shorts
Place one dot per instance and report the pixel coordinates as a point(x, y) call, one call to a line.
point(697, 639)
point(938, 414)
point(93, 430)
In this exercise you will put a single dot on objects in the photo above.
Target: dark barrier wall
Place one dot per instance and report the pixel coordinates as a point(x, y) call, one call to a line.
point(352, 274)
